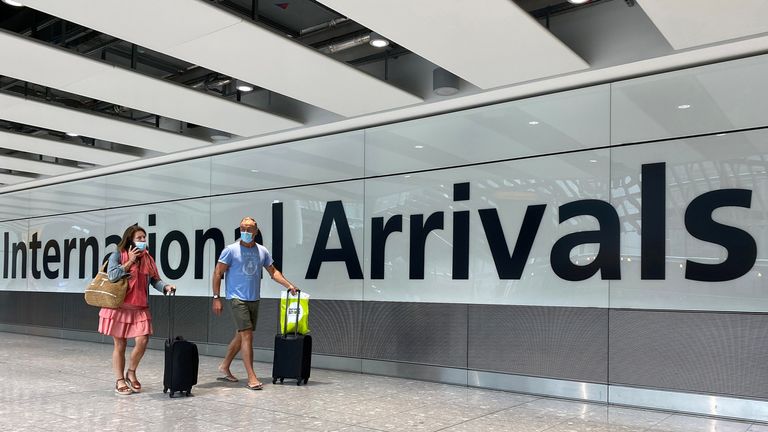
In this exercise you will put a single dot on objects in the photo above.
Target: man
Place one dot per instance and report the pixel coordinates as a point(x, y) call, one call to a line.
point(242, 263)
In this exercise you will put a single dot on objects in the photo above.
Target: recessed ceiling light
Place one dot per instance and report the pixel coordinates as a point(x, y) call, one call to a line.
point(721, 134)
point(533, 122)
point(683, 106)
point(407, 176)
point(72, 134)
point(220, 137)
point(254, 171)
point(593, 160)
point(13, 3)
point(378, 41)
point(418, 146)
point(245, 88)
point(578, 1)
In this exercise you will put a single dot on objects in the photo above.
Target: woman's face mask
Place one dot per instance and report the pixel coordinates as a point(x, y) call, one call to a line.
point(140, 245)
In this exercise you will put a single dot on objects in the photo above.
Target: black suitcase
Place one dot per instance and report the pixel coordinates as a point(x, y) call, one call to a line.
point(181, 361)
point(293, 354)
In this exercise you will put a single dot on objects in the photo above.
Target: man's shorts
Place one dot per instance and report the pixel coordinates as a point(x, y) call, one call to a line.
point(245, 314)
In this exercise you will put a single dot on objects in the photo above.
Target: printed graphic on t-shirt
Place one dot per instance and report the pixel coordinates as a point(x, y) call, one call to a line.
point(251, 264)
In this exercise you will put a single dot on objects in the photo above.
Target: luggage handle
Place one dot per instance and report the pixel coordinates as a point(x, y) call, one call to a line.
point(170, 314)
point(298, 308)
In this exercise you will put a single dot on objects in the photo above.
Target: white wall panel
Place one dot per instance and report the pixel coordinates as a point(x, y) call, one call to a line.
point(334, 157)
point(693, 167)
point(66, 235)
point(17, 232)
point(303, 209)
point(161, 183)
point(183, 216)
point(510, 188)
point(720, 97)
point(14, 205)
point(564, 121)
point(68, 197)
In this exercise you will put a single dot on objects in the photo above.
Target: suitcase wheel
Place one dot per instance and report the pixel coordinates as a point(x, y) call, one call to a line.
point(274, 380)
point(306, 380)
point(298, 383)
point(165, 389)
point(281, 380)
point(171, 394)
point(188, 393)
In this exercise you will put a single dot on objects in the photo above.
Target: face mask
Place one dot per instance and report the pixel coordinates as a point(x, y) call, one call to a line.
point(140, 245)
point(246, 237)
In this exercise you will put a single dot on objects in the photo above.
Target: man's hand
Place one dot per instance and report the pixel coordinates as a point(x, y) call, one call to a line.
point(217, 306)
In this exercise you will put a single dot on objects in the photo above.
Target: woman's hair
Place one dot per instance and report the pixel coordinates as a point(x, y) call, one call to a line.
point(127, 240)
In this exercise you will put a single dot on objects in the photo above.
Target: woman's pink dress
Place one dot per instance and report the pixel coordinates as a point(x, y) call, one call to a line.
point(132, 318)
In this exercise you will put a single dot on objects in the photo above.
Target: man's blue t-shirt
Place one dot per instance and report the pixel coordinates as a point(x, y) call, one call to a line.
point(243, 276)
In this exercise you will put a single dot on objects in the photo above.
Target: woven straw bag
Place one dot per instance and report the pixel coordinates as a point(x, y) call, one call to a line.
point(102, 292)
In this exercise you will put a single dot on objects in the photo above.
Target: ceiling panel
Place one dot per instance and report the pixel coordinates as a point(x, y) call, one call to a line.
point(26, 165)
point(13, 179)
point(490, 43)
point(58, 118)
point(210, 37)
point(689, 23)
point(60, 149)
point(57, 68)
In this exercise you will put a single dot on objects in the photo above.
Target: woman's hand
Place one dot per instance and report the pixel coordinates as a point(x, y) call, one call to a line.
point(133, 255)
point(170, 289)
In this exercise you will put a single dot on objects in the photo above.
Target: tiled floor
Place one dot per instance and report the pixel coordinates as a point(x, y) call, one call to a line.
point(52, 384)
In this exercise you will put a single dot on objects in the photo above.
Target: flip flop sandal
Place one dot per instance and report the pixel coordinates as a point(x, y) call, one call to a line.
point(228, 378)
point(259, 386)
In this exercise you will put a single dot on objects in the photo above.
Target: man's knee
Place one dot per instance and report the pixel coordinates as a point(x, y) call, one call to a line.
point(246, 336)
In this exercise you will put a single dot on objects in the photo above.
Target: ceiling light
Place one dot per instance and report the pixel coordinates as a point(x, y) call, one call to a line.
point(243, 86)
point(407, 176)
point(13, 3)
point(378, 41)
point(593, 160)
point(444, 83)
point(683, 106)
point(220, 137)
point(72, 134)
point(254, 170)
point(418, 146)
point(578, 2)
point(533, 122)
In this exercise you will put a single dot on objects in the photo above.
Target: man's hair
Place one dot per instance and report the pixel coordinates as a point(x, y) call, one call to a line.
point(248, 218)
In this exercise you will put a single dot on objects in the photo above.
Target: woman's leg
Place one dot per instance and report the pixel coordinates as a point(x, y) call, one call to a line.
point(118, 357)
point(136, 354)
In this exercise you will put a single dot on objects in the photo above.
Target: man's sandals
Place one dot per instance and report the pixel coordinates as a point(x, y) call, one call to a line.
point(258, 386)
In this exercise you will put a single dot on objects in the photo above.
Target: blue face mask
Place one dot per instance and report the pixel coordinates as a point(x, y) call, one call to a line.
point(140, 245)
point(246, 237)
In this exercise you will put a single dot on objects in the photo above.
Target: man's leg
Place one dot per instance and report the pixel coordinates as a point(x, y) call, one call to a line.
point(246, 351)
point(232, 350)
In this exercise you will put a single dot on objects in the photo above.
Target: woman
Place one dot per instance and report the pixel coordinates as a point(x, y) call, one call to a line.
point(132, 319)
